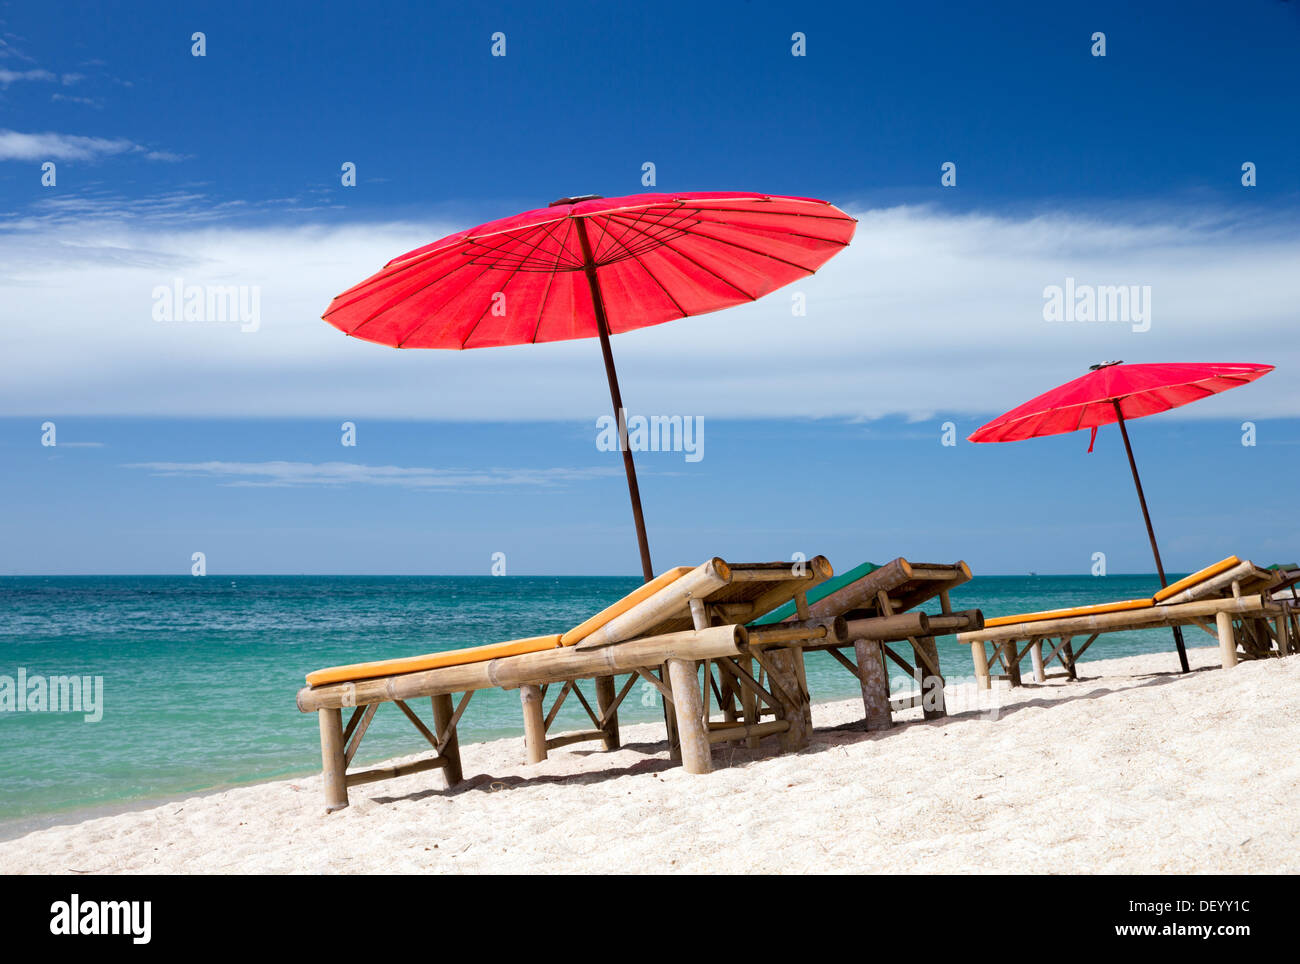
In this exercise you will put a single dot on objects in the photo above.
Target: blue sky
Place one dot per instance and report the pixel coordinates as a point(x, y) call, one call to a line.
point(822, 432)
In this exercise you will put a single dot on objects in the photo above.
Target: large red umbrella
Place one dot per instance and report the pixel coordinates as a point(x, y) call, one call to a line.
point(591, 266)
point(1115, 392)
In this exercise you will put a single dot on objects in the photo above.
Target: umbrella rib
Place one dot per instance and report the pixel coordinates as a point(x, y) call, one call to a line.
point(629, 224)
point(704, 267)
point(398, 299)
point(421, 326)
point(392, 302)
point(450, 248)
point(523, 238)
point(774, 230)
point(381, 277)
point(702, 206)
point(763, 254)
point(646, 268)
point(488, 307)
point(550, 281)
point(659, 221)
point(510, 277)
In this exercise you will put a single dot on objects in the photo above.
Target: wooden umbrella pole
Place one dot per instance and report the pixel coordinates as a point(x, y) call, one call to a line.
point(602, 326)
point(1151, 534)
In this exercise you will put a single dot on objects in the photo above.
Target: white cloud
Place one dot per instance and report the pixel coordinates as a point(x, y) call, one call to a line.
point(8, 77)
point(926, 313)
point(49, 146)
point(279, 474)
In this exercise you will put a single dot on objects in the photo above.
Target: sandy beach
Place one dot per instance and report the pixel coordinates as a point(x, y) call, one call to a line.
point(1128, 770)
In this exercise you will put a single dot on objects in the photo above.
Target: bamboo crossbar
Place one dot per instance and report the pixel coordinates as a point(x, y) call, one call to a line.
point(612, 709)
point(578, 736)
point(947, 624)
point(388, 773)
point(757, 730)
point(551, 666)
point(893, 628)
point(747, 679)
point(784, 633)
point(595, 719)
point(1156, 616)
point(359, 734)
point(559, 701)
point(417, 723)
point(656, 682)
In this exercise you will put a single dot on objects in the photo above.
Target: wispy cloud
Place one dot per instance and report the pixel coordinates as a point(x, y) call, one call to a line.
point(926, 314)
point(51, 146)
point(286, 474)
point(84, 101)
point(8, 77)
point(38, 75)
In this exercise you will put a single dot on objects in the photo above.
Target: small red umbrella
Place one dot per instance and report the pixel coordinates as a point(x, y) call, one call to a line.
point(1114, 392)
point(591, 266)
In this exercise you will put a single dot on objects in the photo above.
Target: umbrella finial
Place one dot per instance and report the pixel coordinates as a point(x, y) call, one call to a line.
point(575, 199)
point(1106, 364)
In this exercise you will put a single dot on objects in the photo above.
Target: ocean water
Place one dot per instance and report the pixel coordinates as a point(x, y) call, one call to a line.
point(199, 674)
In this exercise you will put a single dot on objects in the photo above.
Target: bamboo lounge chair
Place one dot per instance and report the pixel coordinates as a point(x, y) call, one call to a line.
point(878, 606)
point(673, 625)
point(1234, 594)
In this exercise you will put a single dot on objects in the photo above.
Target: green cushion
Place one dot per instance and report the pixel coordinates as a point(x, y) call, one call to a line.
point(817, 593)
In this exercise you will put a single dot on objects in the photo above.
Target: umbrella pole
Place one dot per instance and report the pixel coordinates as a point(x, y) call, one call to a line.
point(1151, 534)
point(615, 396)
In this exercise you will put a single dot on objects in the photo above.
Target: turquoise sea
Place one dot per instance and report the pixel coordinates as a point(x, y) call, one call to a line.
point(199, 674)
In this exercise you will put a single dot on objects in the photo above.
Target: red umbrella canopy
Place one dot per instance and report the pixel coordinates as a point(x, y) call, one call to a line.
point(657, 257)
point(1088, 401)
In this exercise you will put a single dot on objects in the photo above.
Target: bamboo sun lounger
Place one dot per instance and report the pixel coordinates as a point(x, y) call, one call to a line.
point(1236, 595)
point(663, 633)
point(877, 605)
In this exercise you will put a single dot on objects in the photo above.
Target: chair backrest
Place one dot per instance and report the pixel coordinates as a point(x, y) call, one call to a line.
point(639, 595)
point(1218, 580)
point(732, 593)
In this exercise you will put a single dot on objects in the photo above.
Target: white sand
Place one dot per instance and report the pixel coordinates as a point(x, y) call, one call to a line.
point(1118, 773)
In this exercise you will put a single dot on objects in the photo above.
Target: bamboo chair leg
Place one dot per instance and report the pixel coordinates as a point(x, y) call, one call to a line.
point(670, 721)
point(793, 698)
point(442, 714)
point(749, 703)
point(1227, 640)
point(727, 687)
point(875, 684)
point(979, 655)
point(1013, 665)
point(926, 653)
point(534, 723)
point(685, 679)
point(801, 674)
point(605, 696)
point(1036, 654)
point(334, 770)
point(1283, 634)
point(1067, 657)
